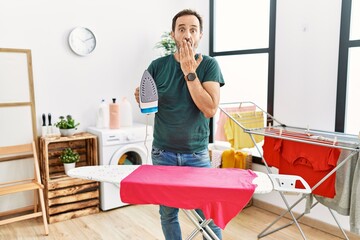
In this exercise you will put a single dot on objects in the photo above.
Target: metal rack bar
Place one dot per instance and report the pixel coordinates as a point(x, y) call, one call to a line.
point(275, 129)
point(310, 136)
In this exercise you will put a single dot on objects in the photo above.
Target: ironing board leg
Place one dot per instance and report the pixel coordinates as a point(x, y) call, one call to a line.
point(201, 225)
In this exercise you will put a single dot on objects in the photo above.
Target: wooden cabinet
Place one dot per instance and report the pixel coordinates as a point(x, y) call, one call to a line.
point(67, 197)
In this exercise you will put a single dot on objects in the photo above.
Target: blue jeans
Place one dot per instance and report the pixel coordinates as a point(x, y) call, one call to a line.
point(169, 216)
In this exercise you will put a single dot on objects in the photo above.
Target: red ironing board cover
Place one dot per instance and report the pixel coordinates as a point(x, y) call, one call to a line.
point(220, 193)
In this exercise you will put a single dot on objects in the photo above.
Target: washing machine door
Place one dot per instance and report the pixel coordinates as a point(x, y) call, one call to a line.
point(130, 154)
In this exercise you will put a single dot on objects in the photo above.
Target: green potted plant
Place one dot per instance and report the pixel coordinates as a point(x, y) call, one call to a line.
point(66, 125)
point(69, 158)
point(167, 44)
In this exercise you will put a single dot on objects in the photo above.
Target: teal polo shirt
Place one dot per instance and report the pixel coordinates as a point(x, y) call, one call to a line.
point(179, 126)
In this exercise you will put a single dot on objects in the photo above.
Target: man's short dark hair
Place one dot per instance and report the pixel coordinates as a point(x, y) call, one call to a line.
point(186, 12)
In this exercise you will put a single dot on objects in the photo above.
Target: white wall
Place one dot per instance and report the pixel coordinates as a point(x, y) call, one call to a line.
point(306, 61)
point(65, 83)
point(126, 34)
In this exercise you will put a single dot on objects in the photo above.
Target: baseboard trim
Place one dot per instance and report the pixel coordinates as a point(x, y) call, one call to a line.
point(322, 226)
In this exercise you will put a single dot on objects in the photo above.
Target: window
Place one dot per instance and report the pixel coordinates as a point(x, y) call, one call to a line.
point(352, 116)
point(240, 25)
point(242, 39)
point(355, 20)
point(245, 77)
point(347, 117)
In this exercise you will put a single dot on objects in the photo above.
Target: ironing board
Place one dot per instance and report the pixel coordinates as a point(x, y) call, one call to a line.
point(135, 190)
point(116, 173)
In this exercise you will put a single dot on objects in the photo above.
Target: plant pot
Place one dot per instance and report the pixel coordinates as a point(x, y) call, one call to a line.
point(67, 132)
point(68, 166)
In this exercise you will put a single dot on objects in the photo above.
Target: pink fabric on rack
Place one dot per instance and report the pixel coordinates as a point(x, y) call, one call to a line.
point(220, 193)
point(220, 130)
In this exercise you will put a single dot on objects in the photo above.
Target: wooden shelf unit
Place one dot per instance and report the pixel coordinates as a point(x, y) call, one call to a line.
point(67, 197)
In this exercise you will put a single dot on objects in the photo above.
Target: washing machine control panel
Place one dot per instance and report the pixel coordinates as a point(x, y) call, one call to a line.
point(112, 139)
point(137, 133)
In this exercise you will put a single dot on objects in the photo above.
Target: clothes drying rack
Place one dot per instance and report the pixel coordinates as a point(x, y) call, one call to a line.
point(275, 129)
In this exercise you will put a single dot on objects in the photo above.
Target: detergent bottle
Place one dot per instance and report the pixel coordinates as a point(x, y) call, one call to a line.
point(240, 159)
point(228, 158)
point(126, 119)
point(102, 115)
point(114, 115)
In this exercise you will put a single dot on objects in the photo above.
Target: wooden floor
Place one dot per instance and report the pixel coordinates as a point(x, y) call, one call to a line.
point(142, 222)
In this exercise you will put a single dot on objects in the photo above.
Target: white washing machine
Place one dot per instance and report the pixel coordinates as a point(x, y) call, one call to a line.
point(123, 146)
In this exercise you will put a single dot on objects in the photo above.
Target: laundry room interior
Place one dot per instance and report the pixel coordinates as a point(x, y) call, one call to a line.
point(88, 66)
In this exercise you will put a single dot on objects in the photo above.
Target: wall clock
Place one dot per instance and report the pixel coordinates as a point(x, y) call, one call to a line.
point(82, 41)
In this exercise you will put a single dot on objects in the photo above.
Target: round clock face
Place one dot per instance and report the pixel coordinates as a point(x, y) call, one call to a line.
point(82, 41)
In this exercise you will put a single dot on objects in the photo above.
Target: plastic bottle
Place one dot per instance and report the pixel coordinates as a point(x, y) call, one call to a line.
point(228, 158)
point(126, 119)
point(114, 115)
point(240, 159)
point(102, 115)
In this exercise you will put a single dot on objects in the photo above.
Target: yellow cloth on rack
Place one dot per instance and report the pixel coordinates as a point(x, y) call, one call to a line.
point(235, 134)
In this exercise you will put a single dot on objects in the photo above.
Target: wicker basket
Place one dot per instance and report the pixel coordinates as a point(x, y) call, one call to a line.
point(248, 161)
point(249, 166)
